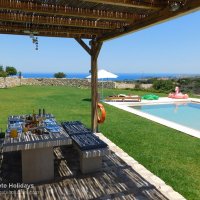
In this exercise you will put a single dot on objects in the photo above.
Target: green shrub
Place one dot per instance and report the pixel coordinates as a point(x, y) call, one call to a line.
point(3, 74)
point(190, 85)
point(11, 71)
point(20, 74)
point(163, 85)
point(1, 68)
point(60, 75)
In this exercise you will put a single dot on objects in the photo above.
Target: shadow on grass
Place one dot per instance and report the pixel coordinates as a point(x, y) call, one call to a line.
point(87, 99)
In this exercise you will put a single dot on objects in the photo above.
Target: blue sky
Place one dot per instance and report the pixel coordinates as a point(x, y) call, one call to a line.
point(171, 47)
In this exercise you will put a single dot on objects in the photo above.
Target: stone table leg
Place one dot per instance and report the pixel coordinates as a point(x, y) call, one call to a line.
point(37, 165)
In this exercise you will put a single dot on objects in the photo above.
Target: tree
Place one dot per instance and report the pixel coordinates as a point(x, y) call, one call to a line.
point(163, 85)
point(20, 77)
point(11, 71)
point(3, 74)
point(20, 74)
point(1, 68)
point(60, 75)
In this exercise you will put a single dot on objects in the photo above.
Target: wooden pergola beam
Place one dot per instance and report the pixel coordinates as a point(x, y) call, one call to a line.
point(94, 53)
point(58, 29)
point(156, 18)
point(47, 34)
point(58, 21)
point(128, 3)
point(65, 11)
point(95, 50)
point(85, 46)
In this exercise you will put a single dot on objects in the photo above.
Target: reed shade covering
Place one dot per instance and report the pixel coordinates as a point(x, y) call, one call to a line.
point(99, 19)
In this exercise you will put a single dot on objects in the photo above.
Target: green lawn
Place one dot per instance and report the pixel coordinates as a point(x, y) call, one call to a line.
point(171, 155)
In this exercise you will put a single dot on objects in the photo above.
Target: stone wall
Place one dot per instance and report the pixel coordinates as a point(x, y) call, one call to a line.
point(56, 82)
point(146, 86)
point(121, 85)
point(9, 82)
point(79, 83)
point(85, 83)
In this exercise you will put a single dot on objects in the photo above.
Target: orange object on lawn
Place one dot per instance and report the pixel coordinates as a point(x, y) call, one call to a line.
point(101, 118)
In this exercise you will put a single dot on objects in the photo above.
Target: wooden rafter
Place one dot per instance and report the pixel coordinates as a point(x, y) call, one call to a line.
point(40, 29)
point(58, 21)
point(156, 18)
point(128, 3)
point(48, 13)
point(65, 11)
point(48, 34)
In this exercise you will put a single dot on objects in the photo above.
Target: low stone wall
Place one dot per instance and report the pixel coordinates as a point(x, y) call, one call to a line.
point(9, 82)
point(146, 86)
point(56, 82)
point(78, 83)
point(84, 83)
point(121, 85)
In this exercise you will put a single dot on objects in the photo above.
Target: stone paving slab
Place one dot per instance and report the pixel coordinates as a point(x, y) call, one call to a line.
point(166, 190)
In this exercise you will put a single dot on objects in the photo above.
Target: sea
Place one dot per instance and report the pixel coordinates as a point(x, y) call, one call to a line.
point(121, 76)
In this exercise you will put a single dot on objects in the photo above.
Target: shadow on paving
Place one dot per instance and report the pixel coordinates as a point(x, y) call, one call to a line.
point(116, 181)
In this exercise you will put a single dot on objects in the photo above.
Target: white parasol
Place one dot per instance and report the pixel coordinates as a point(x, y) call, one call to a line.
point(102, 74)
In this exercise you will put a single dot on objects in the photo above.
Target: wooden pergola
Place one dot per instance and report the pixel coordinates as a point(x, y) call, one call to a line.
point(97, 20)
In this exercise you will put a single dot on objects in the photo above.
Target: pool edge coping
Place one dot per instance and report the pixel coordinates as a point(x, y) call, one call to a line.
point(163, 100)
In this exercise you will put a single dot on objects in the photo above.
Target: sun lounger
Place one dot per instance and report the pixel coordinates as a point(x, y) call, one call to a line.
point(123, 98)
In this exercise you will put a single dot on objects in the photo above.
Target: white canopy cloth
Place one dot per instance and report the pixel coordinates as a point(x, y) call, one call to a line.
point(101, 74)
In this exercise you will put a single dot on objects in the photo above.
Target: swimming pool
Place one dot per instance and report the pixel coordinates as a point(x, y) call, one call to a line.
point(186, 114)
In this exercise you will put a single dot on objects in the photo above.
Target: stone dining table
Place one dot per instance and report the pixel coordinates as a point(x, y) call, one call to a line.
point(36, 149)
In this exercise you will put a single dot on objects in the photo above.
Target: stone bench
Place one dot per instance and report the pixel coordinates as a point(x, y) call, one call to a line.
point(91, 149)
point(75, 128)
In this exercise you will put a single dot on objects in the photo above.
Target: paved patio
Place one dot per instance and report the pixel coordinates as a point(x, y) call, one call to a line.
point(121, 178)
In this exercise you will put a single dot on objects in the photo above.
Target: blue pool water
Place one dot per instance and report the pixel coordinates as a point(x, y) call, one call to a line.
point(186, 114)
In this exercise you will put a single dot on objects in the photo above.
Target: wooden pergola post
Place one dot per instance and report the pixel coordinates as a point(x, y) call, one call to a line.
point(95, 49)
point(94, 53)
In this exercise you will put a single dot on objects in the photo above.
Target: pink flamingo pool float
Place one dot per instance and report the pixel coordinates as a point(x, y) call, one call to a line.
point(177, 94)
